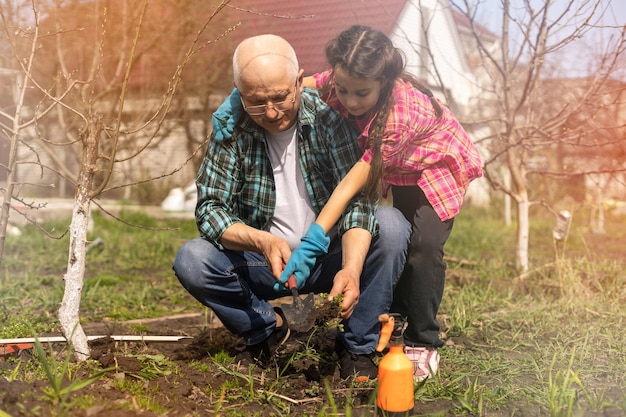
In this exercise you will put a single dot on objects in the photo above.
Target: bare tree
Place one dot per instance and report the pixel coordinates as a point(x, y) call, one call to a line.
point(90, 94)
point(529, 122)
point(15, 119)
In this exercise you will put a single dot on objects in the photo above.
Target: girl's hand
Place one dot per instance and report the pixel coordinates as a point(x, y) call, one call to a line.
point(226, 116)
point(313, 244)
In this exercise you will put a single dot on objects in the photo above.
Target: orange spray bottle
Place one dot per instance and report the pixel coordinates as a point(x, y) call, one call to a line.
point(395, 395)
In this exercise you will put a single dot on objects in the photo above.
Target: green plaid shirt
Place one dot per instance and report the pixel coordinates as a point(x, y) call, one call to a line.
point(235, 181)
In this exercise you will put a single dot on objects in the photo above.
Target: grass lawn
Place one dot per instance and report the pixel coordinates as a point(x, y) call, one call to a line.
point(549, 342)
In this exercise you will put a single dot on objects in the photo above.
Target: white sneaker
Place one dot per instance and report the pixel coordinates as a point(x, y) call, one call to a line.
point(425, 361)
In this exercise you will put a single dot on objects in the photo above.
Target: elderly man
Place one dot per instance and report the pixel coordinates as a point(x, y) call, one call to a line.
point(259, 192)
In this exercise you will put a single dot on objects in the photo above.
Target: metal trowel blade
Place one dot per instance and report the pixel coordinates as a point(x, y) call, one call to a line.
point(300, 314)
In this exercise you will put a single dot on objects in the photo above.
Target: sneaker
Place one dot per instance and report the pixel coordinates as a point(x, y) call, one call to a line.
point(261, 353)
point(351, 365)
point(425, 361)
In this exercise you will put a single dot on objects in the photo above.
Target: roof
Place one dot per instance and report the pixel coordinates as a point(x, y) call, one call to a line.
point(463, 23)
point(309, 25)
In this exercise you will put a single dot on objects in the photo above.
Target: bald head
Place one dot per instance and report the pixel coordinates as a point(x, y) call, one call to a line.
point(261, 56)
point(269, 81)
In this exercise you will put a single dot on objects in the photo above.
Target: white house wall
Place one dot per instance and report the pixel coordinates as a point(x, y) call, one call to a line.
point(442, 46)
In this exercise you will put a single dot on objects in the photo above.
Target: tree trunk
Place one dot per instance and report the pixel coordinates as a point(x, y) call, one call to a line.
point(506, 179)
point(5, 212)
point(11, 167)
point(74, 277)
point(523, 223)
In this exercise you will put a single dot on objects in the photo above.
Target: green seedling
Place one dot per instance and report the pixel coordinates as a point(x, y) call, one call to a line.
point(153, 366)
point(57, 372)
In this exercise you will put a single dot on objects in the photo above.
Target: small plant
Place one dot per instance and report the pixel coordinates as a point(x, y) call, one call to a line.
point(139, 328)
point(561, 391)
point(22, 326)
point(153, 366)
point(14, 373)
point(334, 311)
point(332, 404)
point(222, 358)
point(140, 397)
point(200, 366)
point(57, 372)
point(471, 401)
point(306, 352)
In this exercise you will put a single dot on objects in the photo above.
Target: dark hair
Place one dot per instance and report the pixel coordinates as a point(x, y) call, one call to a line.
point(364, 52)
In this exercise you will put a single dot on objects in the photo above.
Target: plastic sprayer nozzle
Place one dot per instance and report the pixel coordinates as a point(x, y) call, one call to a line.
point(387, 328)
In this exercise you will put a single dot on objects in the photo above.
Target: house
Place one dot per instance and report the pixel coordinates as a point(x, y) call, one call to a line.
point(426, 30)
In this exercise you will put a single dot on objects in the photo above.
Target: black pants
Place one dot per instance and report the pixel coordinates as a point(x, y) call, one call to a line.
point(420, 287)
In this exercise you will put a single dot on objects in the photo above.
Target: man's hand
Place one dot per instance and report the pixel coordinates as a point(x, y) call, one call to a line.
point(276, 251)
point(243, 237)
point(346, 282)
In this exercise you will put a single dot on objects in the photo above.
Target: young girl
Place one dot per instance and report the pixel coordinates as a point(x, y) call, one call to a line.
point(414, 147)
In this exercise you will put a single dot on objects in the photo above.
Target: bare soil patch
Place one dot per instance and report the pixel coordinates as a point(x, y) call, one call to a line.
point(191, 383)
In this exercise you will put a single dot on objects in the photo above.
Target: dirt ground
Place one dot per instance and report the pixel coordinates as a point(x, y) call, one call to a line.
point(198, 386)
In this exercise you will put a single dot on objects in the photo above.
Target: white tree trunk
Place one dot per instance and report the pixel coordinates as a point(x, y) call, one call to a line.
point(74, 277)
point(506, 175)
point(523, 223)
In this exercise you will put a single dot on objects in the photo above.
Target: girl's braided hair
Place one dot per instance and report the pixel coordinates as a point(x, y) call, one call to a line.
point(364, 52)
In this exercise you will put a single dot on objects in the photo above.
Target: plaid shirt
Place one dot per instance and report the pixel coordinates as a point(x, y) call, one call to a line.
point(236, 185)
point(417, 148)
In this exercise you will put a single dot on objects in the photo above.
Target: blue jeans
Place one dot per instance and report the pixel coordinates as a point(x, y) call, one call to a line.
point(237, 285)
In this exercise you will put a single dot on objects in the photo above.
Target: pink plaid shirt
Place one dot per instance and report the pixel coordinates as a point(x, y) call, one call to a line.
point(417, 148)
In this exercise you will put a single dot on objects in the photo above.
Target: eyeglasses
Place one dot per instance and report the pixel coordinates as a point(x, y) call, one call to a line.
point(280, 106)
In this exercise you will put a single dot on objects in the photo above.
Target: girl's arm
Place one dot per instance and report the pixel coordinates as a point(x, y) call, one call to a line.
point(316, 241)
point(349, 186)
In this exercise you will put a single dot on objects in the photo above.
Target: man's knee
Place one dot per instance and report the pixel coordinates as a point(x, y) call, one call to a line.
point(189, 259)
point(394, 228)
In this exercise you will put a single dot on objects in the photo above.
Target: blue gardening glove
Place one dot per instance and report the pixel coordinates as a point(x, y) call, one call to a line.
point(226, 116)
point(313, 244)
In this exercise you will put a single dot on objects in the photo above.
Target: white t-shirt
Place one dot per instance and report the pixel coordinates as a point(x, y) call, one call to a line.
point(293, 213)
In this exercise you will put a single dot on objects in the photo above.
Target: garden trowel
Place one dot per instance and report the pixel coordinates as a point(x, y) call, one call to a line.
point(300, 314)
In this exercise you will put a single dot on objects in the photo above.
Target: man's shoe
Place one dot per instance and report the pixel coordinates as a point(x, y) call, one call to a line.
point(425, 361)
point(351, 365)
point(261, 353)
